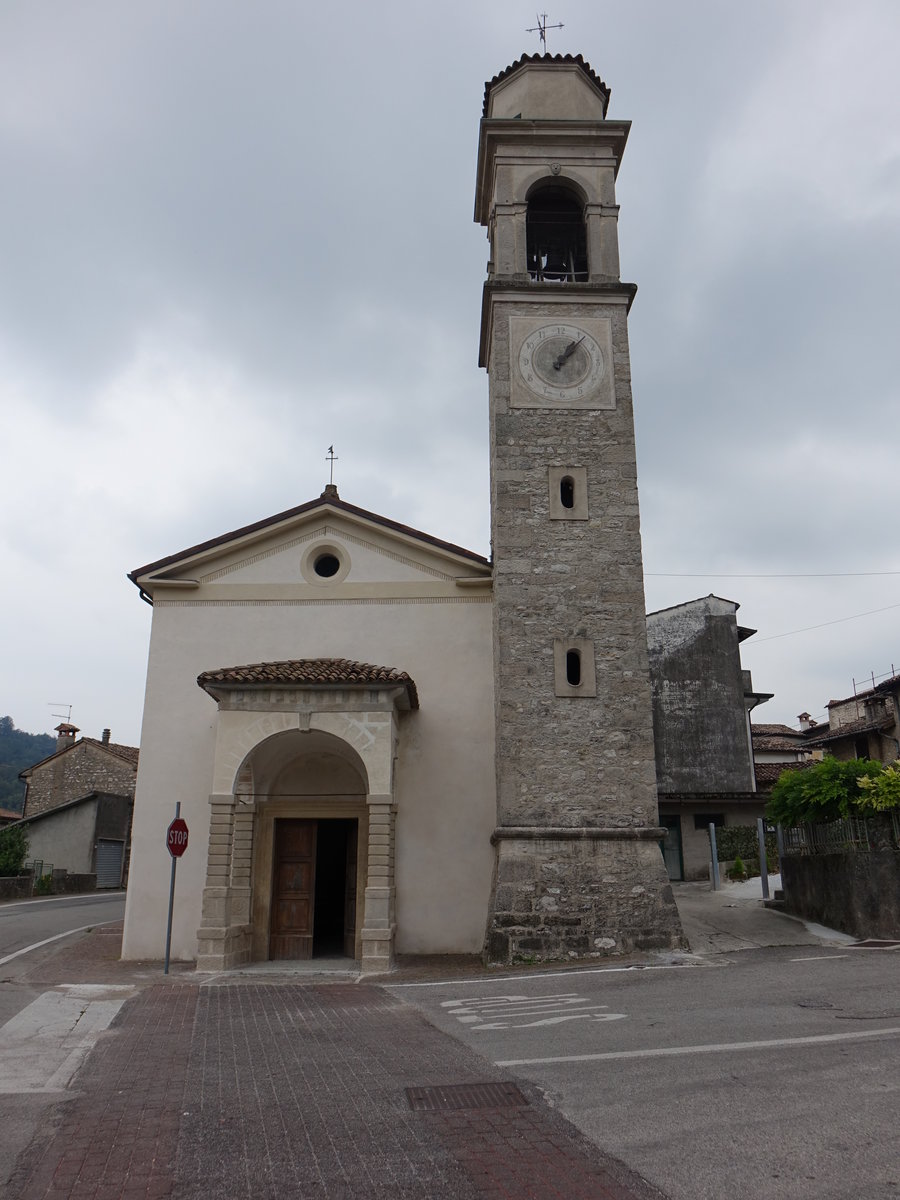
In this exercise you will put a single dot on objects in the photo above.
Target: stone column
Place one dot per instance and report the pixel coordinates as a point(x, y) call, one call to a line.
point(601, 228)
point(509, 252)
point(212, 934)
point(239, 937)
point(378, 920)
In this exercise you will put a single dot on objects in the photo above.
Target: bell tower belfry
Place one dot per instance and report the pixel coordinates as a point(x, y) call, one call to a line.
point(578, 868)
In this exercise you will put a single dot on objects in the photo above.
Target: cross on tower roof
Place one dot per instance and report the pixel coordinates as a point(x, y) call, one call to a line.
point(541, 28)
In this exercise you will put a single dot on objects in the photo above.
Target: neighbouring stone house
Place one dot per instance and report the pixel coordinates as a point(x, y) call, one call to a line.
point(778, 748)
point(702, 699)
point(78, 806)
point(865, 725)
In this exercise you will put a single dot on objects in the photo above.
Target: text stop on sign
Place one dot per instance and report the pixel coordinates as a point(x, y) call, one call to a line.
point(177, 837)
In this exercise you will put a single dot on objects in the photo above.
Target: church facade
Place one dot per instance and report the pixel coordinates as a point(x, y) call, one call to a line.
point(385, 744)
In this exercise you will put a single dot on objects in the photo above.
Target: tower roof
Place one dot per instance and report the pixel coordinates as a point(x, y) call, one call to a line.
point(546, 60)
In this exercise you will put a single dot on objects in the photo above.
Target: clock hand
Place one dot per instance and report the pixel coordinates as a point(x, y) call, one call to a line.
point(567, 353)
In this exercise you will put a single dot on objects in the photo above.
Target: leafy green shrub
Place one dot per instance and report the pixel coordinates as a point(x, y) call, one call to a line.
point(880, 793)
point(13, 849)
point(43, 886)
point(742, 841)
point(738, 870)
point(827, 791)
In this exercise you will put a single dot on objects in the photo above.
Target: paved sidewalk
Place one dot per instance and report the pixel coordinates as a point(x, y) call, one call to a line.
point(734, 918)
point(273, 1087)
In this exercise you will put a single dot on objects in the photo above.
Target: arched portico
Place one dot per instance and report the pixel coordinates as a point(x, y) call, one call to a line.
point(301, 746)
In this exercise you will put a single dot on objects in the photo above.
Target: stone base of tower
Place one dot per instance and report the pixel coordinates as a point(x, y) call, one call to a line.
point(579, 893)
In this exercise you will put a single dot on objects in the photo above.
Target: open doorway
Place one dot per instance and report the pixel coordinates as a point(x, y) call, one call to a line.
point(314, 888)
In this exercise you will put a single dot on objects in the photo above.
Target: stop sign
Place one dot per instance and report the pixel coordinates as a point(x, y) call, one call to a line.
point(177, 837)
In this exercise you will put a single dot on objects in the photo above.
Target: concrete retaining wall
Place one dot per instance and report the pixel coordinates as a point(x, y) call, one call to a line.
point(858, 893)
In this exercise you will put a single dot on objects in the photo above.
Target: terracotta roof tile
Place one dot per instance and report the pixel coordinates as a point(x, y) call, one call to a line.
point(778, 743)
point(849, 728)
point(767, 773)
point(545, 58)
point(131, 753)
point(318, 672)
point(764, 730)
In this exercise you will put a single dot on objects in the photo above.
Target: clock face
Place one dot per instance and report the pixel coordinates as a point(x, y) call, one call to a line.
point(561, 362)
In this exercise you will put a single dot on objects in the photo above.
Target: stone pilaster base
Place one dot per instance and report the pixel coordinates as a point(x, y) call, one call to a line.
point(579, 893)
point(221, 949)
point(377, 956)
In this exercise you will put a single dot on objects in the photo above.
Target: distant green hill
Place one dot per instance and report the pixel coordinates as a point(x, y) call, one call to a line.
point(19, 750)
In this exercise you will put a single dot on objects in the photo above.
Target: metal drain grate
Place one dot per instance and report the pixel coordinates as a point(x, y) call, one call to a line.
point(465, 1095)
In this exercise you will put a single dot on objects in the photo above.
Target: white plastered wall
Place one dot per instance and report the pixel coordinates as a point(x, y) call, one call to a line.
point(444, 773)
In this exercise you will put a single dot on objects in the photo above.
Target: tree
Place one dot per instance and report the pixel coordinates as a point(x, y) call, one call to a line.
point(826, 791)
point(13, 850)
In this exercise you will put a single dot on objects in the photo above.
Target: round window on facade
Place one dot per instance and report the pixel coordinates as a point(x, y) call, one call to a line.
point(324, 563)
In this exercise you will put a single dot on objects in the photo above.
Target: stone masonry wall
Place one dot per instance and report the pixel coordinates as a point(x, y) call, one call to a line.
point(77, 771)
point(582, 898)
point(568, 761)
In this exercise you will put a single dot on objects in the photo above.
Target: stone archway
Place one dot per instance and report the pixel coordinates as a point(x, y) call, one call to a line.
point(284, 749)
point(310, 791)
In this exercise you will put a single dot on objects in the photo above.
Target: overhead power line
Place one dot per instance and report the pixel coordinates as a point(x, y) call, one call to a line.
point(838, 621)
point(793, 575)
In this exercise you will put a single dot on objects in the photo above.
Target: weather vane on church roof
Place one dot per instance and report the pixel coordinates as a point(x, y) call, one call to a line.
point(542, 27)
point(331, 458)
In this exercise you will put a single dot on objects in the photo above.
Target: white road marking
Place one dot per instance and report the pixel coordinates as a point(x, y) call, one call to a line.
point(55, 938)
point(548, 975)
point(481, 1012)
point(43, 1046)
point(820, 958)
point(80, 897)
point(673, 1051)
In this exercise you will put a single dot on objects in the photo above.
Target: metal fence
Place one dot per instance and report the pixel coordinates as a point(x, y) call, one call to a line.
point(852, 833)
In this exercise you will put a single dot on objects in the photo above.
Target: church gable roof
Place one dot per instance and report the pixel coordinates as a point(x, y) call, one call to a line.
point(309, 672)
point(234, 554)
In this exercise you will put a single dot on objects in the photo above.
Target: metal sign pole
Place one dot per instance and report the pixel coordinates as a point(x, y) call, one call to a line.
point(714, 851)
point(171, 897)
point(763, 866)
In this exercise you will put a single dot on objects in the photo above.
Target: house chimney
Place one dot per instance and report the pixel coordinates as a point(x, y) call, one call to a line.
point(105, 737)
point(806, 721)
point(65, 736)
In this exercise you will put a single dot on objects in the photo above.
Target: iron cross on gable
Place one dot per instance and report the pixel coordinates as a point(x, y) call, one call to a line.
point(541, 28)
point(331, 458)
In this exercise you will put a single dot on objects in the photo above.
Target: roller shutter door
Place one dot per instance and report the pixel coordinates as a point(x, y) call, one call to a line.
point(109, 863)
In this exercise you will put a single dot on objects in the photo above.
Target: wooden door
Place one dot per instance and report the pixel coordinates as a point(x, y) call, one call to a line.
point(350, 891)
point(293, 890)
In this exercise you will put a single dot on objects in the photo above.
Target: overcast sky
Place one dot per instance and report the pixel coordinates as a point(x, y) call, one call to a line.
point(232, 234)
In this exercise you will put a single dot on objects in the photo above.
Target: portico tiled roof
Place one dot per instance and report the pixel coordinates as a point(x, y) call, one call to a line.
point(545, 58)
point(313, 672)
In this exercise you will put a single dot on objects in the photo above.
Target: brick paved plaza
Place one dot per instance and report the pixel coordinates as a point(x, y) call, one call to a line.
point(269, 1087)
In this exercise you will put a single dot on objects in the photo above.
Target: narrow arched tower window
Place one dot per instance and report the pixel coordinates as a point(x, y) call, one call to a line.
point(555, 237)
point(573, 668)
point(567, 491)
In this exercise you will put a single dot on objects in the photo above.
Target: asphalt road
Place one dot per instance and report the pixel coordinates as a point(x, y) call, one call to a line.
point(769, 1074)
point(26, 927)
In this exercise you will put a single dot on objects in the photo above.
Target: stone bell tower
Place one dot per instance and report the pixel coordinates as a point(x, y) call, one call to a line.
point(578, 870)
